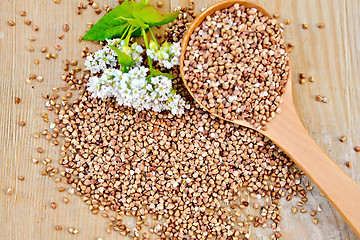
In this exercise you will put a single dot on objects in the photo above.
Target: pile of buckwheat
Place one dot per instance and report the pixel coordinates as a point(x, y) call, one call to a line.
point(236, 64)
point(195, 175)
point(195, 171)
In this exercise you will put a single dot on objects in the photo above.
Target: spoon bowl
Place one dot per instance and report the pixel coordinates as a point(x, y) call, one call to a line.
point(288, 132)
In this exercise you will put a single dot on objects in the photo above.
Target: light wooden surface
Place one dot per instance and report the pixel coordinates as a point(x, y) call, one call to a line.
point(331, 55)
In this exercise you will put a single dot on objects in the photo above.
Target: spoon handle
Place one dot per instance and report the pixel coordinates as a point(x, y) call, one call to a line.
point(339, 188)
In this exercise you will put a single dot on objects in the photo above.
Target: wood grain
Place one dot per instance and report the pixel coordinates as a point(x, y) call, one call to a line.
point(331, 55)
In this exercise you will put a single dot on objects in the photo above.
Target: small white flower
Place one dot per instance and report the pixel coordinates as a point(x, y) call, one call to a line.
point(139, 49)
point(138, 83)
point(143, 71)
point(175, 61)
point(137, 58)
point(166, 64)
point(151, 53)
point(115, 41)
point(163, 55)
point(175, 49)
point(167, 55)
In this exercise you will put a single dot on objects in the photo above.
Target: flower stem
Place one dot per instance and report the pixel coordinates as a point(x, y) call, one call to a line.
point(127, 40)
point(153, 36)
point(146, 45)
point(126, 30)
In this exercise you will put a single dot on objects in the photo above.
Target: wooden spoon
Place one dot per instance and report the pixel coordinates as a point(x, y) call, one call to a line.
point(287, 131)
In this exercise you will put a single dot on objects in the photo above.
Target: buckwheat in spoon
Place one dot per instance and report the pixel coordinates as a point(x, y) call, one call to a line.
point(235, 65)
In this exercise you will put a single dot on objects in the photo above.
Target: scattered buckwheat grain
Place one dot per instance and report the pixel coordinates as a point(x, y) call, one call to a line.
point(66, 27)
point(10, 191)
point(53, 205)
point(342, 139)
point(11, 23)
point(287, 21)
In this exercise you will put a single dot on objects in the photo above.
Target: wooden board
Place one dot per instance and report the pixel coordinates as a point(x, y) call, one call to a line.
point(331, 55)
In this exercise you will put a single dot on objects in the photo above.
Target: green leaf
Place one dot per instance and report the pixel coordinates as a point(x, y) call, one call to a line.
point(149, 15)
point(123, 59)
point(145, 2)
point(137, 23)
point(137, 33)
point(155, 73)
point(114, 32)
point(111, 25)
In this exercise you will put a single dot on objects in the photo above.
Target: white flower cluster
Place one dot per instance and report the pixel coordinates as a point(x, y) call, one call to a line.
point(101, 60)
point(168, 55)
point(134, 87)
point(106, 57)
